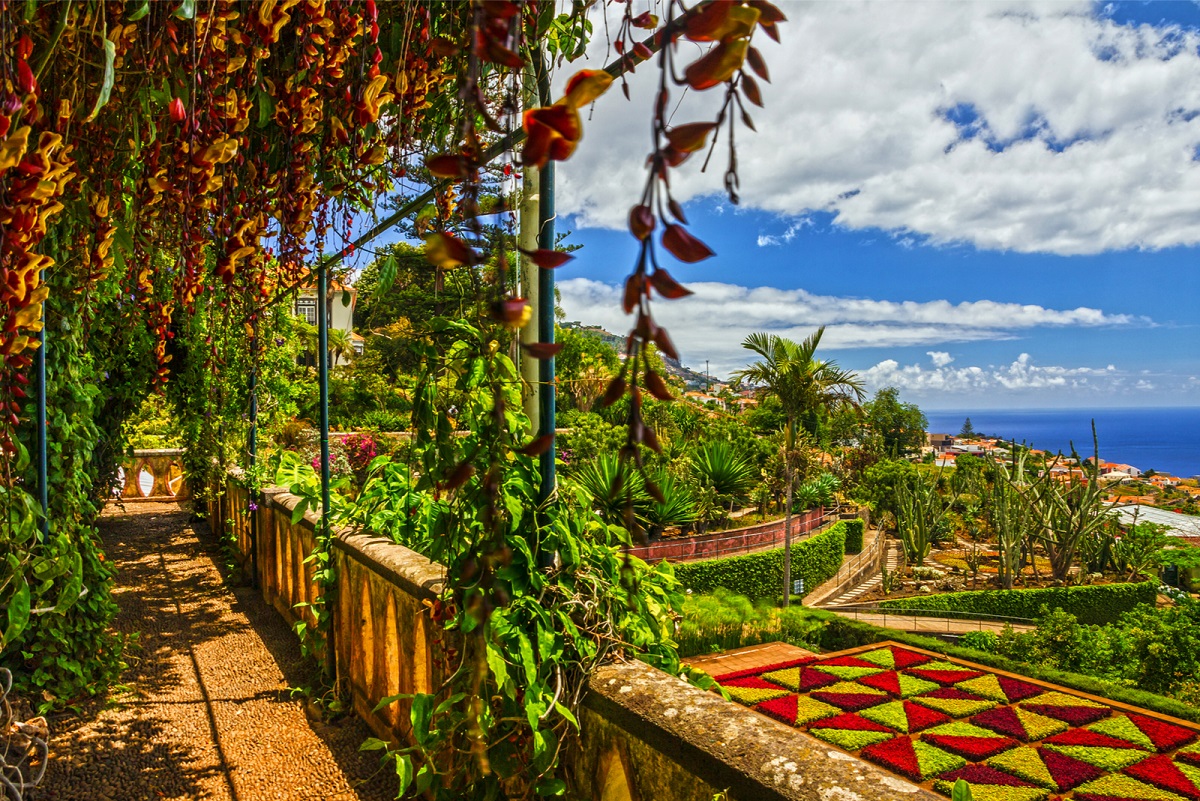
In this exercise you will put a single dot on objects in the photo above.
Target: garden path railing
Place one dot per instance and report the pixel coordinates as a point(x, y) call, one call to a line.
point(153, 475)
point(932, 620)
point(853, 571)
point(736, 541)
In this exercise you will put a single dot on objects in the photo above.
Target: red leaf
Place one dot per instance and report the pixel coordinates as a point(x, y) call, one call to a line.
point(448, 251)
point(633, 289)
point(751, 90)
point(458, 476)
point(768, 13)
point(691, 136)
point(548, 259)
point(585, 86)
point(667, 286)
point(178, 112)
point(448, 166)
point(542, 350)
point(25, 79)
point(758, 64)
point(663, 340)
point(677, 210)
point(657, 387)
point(652, 488)
point(644, 20)
point(642, 52)
point(641, 221)
point(721, 22)
point(673, 158)
point(538, 446)
point(717, 65)
point(616, 389)
point(683, 245)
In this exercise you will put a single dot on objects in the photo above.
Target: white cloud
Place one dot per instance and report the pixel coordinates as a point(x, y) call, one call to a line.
point(940, 358)
point(1022, 374)
point(712, 323)
point(1012, 126)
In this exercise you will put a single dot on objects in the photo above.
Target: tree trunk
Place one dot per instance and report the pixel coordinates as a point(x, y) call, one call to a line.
point(787, 542)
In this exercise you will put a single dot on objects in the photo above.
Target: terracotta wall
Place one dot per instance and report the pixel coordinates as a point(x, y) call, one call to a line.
point(732, 542)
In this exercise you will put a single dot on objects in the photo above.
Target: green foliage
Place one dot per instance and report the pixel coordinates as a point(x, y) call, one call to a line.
point(718, 466)
point(854, 535)
point(879, 483)
point(920, 516)
point(725, 620)
point(613, 486)
point(1099, 603)
point(760, 575)
point(677, 508)
point(987, 641)
point(897, 429)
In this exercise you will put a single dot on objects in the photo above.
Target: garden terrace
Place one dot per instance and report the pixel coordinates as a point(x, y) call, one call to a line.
point(645, 734)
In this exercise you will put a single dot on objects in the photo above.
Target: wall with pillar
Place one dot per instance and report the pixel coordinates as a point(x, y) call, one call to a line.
point(645, 735)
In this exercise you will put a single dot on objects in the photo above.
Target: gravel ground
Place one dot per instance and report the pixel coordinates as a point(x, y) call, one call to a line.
point(208, 713)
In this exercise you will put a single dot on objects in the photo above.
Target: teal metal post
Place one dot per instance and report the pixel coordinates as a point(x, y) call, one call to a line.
point(42, 462)
point(323, 530)
point(253, 455)
point(546, 327)
point(323, 372)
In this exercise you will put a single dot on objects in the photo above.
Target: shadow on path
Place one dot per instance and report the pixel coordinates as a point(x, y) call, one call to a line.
point(208, 714)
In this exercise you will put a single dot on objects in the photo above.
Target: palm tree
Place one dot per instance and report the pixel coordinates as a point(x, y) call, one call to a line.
point(341, 345)
point(804, 386)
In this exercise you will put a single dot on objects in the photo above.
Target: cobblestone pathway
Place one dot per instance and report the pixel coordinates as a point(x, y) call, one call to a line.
point(208, 714)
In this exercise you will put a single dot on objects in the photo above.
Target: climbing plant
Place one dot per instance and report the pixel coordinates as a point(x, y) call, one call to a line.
point(170, 171)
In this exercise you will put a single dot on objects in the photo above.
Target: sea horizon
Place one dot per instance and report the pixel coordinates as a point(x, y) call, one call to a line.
point(1165, 439)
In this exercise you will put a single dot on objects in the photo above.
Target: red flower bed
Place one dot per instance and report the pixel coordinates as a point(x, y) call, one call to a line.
point(758, 671)
point(937, 714)
point(1162, 772)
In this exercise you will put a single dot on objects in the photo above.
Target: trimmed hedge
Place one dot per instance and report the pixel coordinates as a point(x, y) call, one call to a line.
point(854, 535)
point(760, 575)
point(1094, 605)
point(840, 633)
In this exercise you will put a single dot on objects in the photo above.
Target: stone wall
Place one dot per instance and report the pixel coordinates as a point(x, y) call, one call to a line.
point(646, 736)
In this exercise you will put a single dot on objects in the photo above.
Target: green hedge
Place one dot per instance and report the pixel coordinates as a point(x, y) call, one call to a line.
point(1097, 604)
point(854, 535)
point(840, 633)
point(760, 575)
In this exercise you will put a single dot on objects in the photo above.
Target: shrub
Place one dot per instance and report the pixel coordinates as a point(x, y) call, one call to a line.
point(986, 641)
point(760, 575)
point(854, 535)
point(1095, 604)
point(724, 620)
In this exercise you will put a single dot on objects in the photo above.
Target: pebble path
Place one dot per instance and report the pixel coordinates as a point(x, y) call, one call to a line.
point(208, 713)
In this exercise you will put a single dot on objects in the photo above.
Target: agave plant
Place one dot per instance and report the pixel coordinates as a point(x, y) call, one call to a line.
point(717, 465)
point(817, 492)
point(612, 486)
point(677, 508)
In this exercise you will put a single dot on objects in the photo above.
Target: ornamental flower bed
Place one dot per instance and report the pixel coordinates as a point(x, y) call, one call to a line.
point(934, 720)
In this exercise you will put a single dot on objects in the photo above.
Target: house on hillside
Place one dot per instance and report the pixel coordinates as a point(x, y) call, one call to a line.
point(340, 316)
point(939, 442)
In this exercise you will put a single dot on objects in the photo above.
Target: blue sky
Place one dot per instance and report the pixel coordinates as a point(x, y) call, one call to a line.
point(988, 204)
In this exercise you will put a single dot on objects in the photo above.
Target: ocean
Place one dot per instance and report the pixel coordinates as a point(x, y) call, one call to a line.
point(1166, 440)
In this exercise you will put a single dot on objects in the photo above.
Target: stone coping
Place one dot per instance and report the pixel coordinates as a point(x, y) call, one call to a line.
point(407, 569)
point(731, 746)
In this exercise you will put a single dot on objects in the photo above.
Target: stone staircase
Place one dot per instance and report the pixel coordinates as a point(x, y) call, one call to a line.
point(892, 560)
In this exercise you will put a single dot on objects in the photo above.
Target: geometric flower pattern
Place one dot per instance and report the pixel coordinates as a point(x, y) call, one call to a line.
point(935, 720)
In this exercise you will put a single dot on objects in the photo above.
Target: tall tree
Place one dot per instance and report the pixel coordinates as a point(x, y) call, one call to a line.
point(967, 431)
point(805, 386)
point(898, 428)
